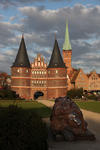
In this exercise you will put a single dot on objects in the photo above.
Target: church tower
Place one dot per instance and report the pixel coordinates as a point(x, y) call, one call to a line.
point(20, 71)
point(56, 74)
point(67, 51)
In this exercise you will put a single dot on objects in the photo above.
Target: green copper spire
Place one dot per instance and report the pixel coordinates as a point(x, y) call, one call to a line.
point(67, 45)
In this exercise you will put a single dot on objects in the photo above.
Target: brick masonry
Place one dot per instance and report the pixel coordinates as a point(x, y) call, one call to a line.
point(26, 82)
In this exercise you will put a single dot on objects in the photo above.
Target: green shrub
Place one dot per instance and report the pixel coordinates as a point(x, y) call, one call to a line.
point(22, 130)
point(75, 93)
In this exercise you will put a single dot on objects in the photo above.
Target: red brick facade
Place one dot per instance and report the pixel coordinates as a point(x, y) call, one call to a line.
point(57, 83)
point(21, 81)
point(51, 82)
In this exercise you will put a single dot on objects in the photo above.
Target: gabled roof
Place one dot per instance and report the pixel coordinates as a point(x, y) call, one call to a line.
point(92, 73)
point(88, 75)
point(22, 59)
point(75, 74)
point(56, 60)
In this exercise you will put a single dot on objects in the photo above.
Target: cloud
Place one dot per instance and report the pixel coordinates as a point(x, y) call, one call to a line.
point(7, 32)
point(84, 24)
point(6, 59)
point(1, 17)
point(83, 21)
point(39, 25)
point(88, 58)
point(59, 0)
point(8, 3)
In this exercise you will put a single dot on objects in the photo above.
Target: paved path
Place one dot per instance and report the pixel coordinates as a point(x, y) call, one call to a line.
point(93, 120)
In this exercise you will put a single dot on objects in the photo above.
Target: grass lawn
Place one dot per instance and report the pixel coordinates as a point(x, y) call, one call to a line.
point(44, 111)
point(38, 108)
point(93, 106)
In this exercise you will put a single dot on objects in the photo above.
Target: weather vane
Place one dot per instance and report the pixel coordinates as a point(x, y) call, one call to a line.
point(55, 34)
point(23, 30)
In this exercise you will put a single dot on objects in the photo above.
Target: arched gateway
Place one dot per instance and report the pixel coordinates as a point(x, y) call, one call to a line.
point(38, 94)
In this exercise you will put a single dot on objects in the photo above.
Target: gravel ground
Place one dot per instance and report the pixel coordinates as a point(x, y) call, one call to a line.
point(93, 120)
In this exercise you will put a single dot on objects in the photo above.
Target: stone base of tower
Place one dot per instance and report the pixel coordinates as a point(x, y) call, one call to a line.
point(22, 92)
point(54, 92)
point(50, 93)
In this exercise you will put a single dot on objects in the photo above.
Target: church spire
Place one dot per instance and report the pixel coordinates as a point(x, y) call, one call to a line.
point(67, 45)
point(56, 60)
point(22, 59)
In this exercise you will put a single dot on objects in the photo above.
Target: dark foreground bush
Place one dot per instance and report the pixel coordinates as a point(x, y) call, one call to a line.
point(75, 93)
point(92, 97)
point(7, 94)
point(20, 130)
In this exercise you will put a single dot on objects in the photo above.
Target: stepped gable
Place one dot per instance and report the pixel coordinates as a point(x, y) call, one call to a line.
point(22, 59)
point(56, 60)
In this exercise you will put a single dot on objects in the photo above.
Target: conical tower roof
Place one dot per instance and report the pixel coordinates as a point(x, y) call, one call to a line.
point(67, 45)
point(22, 59)
point(56, 60)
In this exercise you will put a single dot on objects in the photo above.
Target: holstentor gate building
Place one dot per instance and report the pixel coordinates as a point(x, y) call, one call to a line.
point(29, 78)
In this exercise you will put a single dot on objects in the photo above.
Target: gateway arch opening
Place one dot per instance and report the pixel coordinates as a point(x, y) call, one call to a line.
point(38, 94)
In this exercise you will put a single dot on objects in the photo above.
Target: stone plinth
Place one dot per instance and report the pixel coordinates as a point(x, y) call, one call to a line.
point(67, 121)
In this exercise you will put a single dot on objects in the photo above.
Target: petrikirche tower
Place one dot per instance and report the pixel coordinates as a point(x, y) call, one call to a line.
point(51, 81)
point(67, 51)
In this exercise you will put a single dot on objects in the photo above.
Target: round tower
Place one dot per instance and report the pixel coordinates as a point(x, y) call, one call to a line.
point(20, 72)
point(56, 75)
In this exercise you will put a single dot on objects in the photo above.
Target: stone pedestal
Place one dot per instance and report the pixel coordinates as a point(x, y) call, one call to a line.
point(67, 121)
